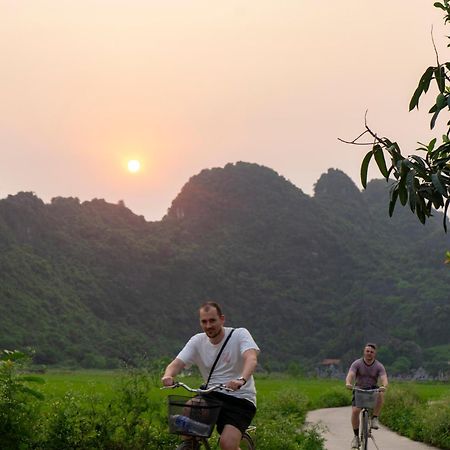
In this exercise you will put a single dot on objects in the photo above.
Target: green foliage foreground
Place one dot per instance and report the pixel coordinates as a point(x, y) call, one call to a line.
point(130, 416)
point(409, 414)
point(127, 410)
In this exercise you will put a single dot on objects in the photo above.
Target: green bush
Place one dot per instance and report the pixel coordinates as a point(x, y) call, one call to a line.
point(19, 403)
point(406, 413)
point(399, 409)
point(131, 420)
point(280, 421)
point(436, 423)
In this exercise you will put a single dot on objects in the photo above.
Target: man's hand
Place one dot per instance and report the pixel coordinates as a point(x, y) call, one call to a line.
point(167, 381)
point(235, 384)
point(349, 386)
point(382, 388)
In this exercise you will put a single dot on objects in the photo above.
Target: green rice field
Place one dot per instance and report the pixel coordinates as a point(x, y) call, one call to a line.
point(127, 410)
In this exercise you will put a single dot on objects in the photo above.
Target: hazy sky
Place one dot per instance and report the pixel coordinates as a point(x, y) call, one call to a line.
point(183, 85)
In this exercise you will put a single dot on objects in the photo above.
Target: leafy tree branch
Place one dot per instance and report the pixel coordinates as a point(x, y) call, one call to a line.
point(422, 182)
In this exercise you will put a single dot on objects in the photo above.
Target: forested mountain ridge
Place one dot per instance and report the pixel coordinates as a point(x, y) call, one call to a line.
point(312, 277)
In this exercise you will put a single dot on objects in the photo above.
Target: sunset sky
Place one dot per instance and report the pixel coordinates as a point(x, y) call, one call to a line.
point(184, 85)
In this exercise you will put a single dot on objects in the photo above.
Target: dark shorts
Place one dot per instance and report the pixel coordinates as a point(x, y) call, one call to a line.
point(366, 388)
point(235, 411)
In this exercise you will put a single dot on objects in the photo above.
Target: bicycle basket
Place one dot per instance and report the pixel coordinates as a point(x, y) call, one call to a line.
point(365, 399)
point(192, 416)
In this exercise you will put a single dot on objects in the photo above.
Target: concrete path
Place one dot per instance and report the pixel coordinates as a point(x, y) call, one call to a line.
point(338, 432)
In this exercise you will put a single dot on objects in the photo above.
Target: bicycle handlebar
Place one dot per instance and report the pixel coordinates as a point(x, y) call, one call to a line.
point(198, 391)
point(367, 390)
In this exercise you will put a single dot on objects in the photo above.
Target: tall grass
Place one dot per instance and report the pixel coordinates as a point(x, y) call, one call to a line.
point(410, 414)
point(126, 410)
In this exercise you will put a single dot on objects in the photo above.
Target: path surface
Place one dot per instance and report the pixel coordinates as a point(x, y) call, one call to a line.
point(338, 434)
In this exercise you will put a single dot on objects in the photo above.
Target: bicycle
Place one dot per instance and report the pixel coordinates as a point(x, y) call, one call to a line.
point(196, 417)
point(365, 399)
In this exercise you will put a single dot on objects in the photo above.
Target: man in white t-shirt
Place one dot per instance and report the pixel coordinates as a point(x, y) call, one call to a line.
point(234, 369)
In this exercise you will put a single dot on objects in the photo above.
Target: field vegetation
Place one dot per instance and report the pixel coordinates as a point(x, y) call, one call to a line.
point(420, 412)
point(125, 409)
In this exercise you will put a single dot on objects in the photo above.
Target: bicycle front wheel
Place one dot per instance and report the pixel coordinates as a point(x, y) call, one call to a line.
point(247, 442)
point(364, 429)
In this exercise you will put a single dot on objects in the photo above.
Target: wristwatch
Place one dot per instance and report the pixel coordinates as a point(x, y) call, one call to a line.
point(242, 379)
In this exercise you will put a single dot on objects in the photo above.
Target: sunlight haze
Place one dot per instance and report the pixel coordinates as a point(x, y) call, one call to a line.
point(186, 85)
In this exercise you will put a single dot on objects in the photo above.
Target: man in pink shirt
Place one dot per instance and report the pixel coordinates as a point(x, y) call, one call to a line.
point(365, 373)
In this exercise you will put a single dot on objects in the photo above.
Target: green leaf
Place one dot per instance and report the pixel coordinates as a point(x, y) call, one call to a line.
point(433, 119)
point(419, 160)
point(422, 87)
point(441, 101)
point(420, 214)
point(410, 184)
point(379, 158)
point(426, 78)
point(414, 102)
point(431, 145)
point(402, 194)
point(365, 167)
point(439, 5)
point(439, 73)
point(393, 201)
point(437, 200)
point(437, 183)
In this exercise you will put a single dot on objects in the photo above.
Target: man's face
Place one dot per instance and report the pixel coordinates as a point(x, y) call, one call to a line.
point(211, 322)
point(369, 353)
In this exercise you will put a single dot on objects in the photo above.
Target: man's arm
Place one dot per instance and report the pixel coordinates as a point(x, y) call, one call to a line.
point(350, 379)
point(172, 370)
point(250, 357)
point(384, 381)
point(250, 362)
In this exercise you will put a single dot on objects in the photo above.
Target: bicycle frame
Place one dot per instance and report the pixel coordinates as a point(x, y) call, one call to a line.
point(365, 425)
point(365, 428)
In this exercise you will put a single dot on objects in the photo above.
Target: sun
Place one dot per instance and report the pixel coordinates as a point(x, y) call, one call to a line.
point(134, 165)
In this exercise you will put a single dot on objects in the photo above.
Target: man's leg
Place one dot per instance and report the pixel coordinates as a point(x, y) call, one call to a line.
point(377, 410)
point(230, 438)
point(355, 417)
point(378, 404)
point(355, 425)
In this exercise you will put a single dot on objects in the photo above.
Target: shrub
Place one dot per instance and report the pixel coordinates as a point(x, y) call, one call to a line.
point(279, 424)
point(410, 416)
point(19, 407)
point(436, 423)
point(132, 420)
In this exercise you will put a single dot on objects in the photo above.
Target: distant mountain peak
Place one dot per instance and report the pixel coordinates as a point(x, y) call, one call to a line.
point(335, 184)
point(236, 186)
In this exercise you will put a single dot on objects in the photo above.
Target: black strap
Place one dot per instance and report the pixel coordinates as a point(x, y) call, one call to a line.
point(218, 356)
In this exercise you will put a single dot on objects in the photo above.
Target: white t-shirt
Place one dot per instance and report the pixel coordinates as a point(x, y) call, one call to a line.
point(200, 351)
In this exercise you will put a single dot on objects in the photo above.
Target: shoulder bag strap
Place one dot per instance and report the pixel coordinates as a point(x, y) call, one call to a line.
point(218, 356)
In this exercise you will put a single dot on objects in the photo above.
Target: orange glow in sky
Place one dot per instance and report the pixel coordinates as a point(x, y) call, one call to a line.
point(186, 85)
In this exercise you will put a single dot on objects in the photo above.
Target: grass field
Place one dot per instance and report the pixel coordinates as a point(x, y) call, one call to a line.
point(105, 383)
point(124, 410)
